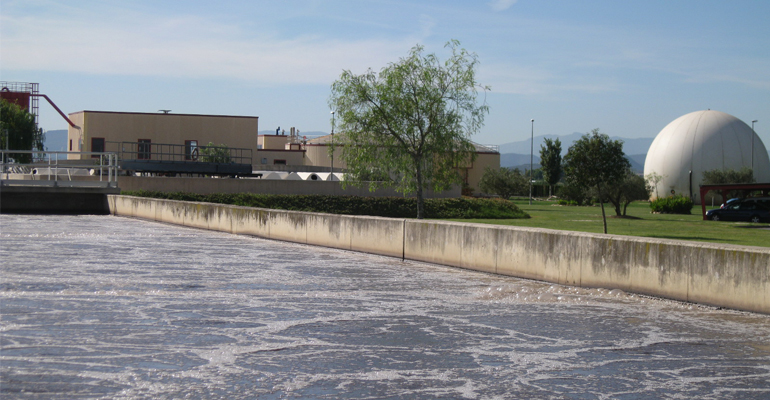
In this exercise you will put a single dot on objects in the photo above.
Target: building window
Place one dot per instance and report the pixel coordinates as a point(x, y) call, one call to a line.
point(97, 146)
point(144, 149)
point(279, 162)
point(191, 150)
point(70, 144)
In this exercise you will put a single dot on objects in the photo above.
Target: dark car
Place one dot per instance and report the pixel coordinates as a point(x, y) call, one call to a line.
point(745, 210)
point(728, 202)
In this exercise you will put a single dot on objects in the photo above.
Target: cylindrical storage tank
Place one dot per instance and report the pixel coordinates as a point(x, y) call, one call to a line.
point(309, 176)
point(703, 141)
point(275, 175)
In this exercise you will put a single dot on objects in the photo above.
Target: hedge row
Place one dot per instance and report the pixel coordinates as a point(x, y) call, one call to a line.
point(394, 207)
point(672, 205)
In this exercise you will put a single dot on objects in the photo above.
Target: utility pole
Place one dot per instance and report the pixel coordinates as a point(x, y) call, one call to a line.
point(331, 177)
point(531, 153)
point(752, 145)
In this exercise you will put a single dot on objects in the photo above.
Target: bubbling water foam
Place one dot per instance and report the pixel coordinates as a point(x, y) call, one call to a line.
point(120, 308)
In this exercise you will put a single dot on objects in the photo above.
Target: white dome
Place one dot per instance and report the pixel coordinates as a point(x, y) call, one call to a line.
point(702, 141)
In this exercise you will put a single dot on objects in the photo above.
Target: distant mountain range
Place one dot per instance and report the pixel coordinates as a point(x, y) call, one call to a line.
point(630, 146)
point(521, 161)
point(516, 154)
point(56, 140)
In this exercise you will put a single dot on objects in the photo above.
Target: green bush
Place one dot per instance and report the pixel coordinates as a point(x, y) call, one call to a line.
point(571, 191)
point(215, 154)
point(504, 182)
point(394, 207)
point(672, 205)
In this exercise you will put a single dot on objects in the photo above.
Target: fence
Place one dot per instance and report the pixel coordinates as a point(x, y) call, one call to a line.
point(164, 152)
point(47, 169)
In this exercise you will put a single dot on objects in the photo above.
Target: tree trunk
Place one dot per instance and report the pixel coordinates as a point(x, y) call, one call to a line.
point(604, 216)
point(616, 204)
point(420, 199)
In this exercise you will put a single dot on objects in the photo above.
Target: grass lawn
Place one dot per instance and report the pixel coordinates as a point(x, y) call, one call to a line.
point(640, 222)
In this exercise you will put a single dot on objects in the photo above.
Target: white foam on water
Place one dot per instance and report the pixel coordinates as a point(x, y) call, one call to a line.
point(121, 308)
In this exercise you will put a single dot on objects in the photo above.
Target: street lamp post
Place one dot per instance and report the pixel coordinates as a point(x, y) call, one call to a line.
point(752, 145)
point(531, 152)
point(331, 177)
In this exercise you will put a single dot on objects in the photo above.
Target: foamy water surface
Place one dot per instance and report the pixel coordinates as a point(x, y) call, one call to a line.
point(109, 307)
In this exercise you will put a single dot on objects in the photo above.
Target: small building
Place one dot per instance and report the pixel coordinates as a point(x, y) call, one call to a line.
point(104, 131)
point(281, 152)
point(317, 153)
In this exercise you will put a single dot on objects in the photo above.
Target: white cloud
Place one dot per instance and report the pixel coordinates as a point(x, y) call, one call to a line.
point(186, 46)
point(500, 5)
point(523, 80)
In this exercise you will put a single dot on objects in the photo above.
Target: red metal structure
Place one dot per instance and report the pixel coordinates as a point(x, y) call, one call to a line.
point(72, 124)
point(19, 98)
point(26, 96)
point(725, 188)
point(21, 94)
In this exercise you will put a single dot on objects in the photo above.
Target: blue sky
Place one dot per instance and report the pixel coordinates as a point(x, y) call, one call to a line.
point(626, 67)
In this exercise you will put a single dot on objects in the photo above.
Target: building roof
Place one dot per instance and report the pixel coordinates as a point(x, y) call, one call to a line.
point(160, 114)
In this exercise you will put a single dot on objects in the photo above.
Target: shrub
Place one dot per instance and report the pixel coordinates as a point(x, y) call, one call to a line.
point(394, 207)
point(672, 205)
point(717, 176)
point(632, 188)
point(467, 190)
point(571, 191)
point(215, 154)
point(504, 182)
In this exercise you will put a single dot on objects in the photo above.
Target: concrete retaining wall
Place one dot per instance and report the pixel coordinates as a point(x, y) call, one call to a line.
point(54, 200)
point(722, 275)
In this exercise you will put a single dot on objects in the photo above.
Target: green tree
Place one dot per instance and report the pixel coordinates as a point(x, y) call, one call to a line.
point(504, 182)
point(412, 121)
point(717, 176)
point(18, 131)
point(597, 162)
point(215, 154)
point(653, 179)
point(550, 162)
point(632, 188)
point(572, 191)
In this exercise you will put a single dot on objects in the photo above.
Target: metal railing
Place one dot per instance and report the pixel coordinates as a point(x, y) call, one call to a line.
point(493, 148)
point(164, 152)
point(58, 171)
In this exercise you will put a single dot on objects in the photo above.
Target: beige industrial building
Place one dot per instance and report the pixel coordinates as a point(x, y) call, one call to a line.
point(317, 153)
point(107, 131)
point(176, 137)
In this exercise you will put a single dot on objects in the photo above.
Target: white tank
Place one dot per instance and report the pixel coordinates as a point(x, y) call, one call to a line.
point(702, 141)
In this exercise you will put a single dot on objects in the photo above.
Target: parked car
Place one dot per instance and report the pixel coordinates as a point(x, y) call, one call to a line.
point(752, 210)
point(728, 202)
point(763, 202)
